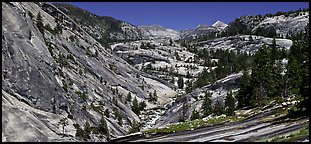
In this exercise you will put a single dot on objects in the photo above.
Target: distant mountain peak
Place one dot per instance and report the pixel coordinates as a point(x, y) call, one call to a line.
point(202, 26)
point(220, 24)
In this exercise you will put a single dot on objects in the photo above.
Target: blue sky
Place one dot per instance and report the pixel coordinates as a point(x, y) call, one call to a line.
point(184, 15)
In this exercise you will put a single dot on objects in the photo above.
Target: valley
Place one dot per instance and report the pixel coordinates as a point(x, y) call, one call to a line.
point(70, 75)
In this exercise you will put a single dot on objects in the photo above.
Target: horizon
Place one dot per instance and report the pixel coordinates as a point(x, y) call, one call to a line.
point(184, 15)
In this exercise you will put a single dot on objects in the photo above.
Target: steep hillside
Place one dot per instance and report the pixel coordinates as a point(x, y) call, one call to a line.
point(54, 69)
point(281, 24)
point(70, 75)
point(158, 32)
point(103, 28)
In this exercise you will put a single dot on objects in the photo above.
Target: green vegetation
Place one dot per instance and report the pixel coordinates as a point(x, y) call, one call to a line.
point(240, 26)
point(207, 104)
point(82, 17)
point(40, 23)
point(188, 125)
point(228, 62)
point(135, 127)
point(101, 128)
point(229, 104)
point(129, 97)
point(106, 113)
point(82, 95)
point(266, 83)
point(180, 82)
point(63, 122)
point(147, 46)
point(82, 133)
point(98, 109)
point(195, 115)
point(219, 108)
point(135, 107)
point(30, 15)
point(153, 97)
point(62, 60)
point(142, 105)
point(293, 137)
point(117, 115)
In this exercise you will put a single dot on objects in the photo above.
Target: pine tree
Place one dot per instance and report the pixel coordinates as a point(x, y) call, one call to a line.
point(218, 108)
point(58, 29)
point(274, 51)
point(189, 87)
point(171, 42)
point(142, 105)
point(195, 115)
point(129, 97)
point(172, 80)
point(262, 76)
point(64, 123)
point(207, 104)
point(150, 97)
point(135, 107)
point(155, 96)
point(102, 127)
point(230, 104)
point(135, 127)
point(180, 82)
point(294, 69)
point(40, 23)
point(298, 70)
point(106, 113)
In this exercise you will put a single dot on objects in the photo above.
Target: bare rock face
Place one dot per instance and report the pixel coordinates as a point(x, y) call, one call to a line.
point(51, 75)
point(64, 69)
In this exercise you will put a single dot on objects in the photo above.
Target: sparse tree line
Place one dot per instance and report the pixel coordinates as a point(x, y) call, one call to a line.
point(269, 80)
point(218, 108)
point(266, 80)
point(238, 26)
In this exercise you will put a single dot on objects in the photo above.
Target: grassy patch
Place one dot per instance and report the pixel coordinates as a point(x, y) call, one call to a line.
point(188, 125)
point(280, 113)
point(293, 137)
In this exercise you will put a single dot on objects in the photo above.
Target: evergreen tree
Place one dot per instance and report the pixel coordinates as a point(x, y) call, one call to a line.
point(207, 104)
point(155, 96)
point(171, 42)
point(262, 76)
point(106, 113)
point(58, 29)
point(151, 97)
point(40, 23)
point(218, 108)
point(180, 82)
point(189, 87)
point(298, 70)
point(87, 129)
point(172, 80)
point(230, 104)
point(195, 115)
point(135, 127)
point(135, 107)
point(129, 97)
point(64, 123)
point(142, 105)
point(274, 51)
point(102, 127)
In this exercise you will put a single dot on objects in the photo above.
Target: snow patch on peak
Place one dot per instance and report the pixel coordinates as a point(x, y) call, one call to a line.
point(220, 24)
point(202, 26)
